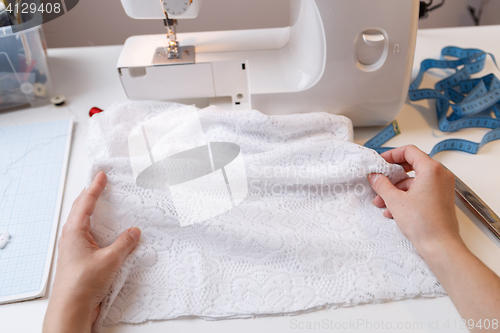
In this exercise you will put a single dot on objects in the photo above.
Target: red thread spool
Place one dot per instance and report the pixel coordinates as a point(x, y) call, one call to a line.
point(94, 110)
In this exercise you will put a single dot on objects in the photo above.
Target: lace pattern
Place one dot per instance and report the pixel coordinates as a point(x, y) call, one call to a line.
point(307, 235)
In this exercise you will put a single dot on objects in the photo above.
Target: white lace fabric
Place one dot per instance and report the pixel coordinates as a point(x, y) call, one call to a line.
point(306, 237)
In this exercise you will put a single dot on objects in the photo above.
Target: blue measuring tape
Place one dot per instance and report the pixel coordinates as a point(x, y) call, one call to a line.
point(475, 103)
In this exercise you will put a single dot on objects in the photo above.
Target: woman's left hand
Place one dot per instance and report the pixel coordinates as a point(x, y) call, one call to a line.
point(85, 272)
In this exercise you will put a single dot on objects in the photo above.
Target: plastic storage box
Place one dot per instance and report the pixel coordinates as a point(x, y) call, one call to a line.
point(24, 75)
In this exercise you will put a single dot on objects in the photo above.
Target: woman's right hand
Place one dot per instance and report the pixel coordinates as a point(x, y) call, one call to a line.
point(424, 210)
point(424, 206)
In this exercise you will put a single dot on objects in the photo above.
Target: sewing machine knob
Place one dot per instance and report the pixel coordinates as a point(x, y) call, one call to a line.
point(176, 7)
point(371, 49)
point(373, 38)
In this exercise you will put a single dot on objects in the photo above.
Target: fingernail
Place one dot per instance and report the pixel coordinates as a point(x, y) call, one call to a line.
point(135, 233)
point(372, 178)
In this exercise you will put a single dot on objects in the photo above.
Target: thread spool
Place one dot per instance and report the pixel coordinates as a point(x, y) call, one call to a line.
point(26, 88)
point(58, 100)
point(39, 89)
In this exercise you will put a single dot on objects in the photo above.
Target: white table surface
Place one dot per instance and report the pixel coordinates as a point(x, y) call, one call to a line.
point(88, 77)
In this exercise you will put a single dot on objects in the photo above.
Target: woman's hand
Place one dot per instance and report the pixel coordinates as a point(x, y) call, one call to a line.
point(424, 210)
point(84, 271)
point(423, 206)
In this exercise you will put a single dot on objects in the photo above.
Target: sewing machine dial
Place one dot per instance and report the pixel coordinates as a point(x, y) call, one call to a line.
point(176, 7)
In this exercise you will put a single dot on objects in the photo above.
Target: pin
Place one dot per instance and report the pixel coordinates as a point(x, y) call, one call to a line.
point(94, 111)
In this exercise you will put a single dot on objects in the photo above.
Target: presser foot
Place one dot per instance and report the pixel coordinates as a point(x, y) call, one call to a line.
point(186, 55)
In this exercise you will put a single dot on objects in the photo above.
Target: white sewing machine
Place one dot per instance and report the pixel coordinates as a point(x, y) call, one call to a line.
point(349, 57)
